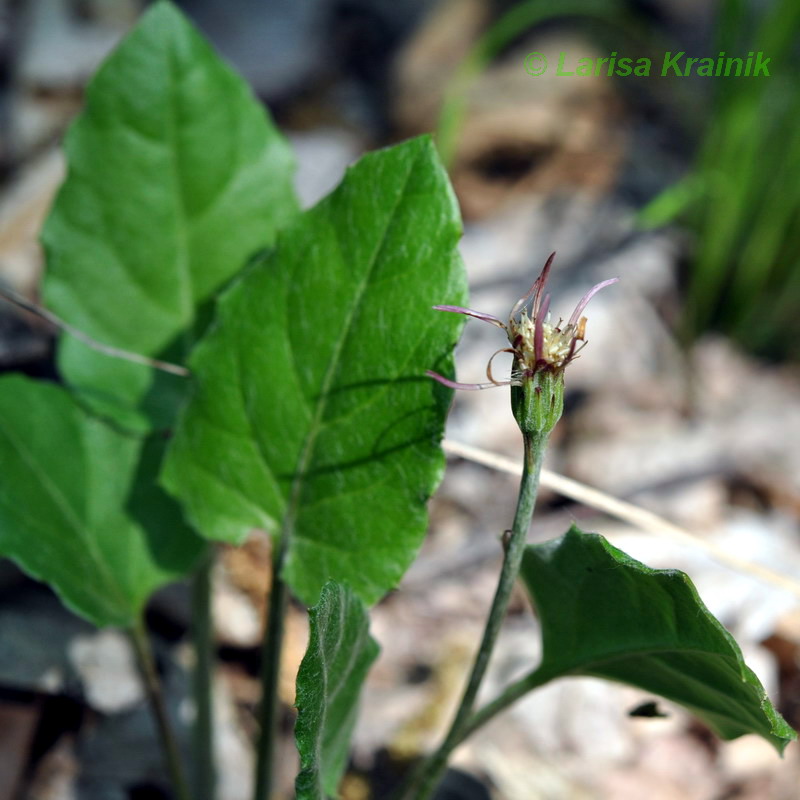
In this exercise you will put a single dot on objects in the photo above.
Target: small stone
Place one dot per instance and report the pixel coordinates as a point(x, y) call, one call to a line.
point(106, 663)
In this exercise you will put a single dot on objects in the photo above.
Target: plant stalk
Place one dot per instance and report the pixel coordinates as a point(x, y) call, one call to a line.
point(423, 781)
point(204, 764)
point(155, 696)
point(270, 677)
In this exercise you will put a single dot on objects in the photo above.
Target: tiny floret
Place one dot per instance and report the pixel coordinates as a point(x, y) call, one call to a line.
point(537, 342)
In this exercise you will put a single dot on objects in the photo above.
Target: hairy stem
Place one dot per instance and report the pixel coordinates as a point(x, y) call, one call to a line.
point(155, 697)
point(270, 675)
point(425, 778)
point(204, 764)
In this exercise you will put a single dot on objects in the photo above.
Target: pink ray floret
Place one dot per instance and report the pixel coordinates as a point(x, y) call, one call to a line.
point(576, 314)
point(535, 290)
point(470, 313)
point(472, 387)
point(538, 329)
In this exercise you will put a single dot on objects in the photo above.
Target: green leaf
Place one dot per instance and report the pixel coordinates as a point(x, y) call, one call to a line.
point(607, 615)
point(176, 177)
point(79, 508)
point(670, 203)
point(312, 416)
point(340, 653)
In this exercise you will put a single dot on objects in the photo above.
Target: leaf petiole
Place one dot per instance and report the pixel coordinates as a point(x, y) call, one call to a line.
point(270, 677)
point(204, 764)
point(155, 696)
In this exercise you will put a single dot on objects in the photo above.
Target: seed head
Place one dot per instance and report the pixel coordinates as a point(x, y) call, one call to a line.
point(537, 343)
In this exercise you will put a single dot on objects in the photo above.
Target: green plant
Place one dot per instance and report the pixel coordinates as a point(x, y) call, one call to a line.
point(303, 409)
point(741, 199)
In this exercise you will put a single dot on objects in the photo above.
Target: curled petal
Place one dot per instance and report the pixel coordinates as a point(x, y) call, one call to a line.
point(535, 290)
point(470, 313)
point(538, 329)
point(468, 386)
point(574, 349)
point(489, 365)
point(573, 320)
point(540, 288)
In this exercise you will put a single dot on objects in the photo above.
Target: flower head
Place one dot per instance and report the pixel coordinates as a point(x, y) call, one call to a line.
point(537, 343)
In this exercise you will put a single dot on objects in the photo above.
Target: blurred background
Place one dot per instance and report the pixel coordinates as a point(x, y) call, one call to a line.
point(685, 402)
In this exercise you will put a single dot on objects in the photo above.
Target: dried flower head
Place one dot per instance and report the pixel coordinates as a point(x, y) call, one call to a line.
point(537, 343)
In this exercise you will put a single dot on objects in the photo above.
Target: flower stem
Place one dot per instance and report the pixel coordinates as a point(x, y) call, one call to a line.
point(270, 676)
point(204, 765)
point(424, 779)
point(155, 696)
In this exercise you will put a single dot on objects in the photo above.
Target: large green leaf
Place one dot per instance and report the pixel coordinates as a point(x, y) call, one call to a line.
point(607, 615)
point(79, 508)
point(312, 415)
point(340, 652)
point(176, 177)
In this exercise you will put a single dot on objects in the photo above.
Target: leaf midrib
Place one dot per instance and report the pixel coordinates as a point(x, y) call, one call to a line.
point(595, 666)
point(182, 260)
point(611, 658)
point(748, 719)
point(315, 427)
point(73, 521)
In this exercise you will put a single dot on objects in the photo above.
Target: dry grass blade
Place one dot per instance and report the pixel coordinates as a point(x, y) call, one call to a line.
point(108, 350)
point(627, 512)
